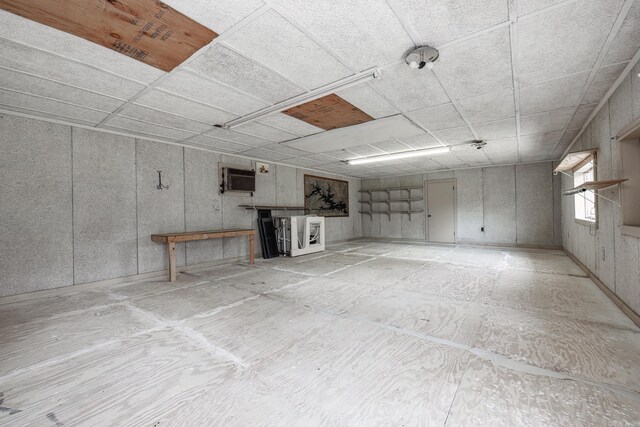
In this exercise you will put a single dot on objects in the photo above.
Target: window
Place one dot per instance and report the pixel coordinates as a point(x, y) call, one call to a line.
point(629, 168)
point(585, 202)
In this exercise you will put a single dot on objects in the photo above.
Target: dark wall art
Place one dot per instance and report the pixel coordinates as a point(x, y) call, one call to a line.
point(326, 196)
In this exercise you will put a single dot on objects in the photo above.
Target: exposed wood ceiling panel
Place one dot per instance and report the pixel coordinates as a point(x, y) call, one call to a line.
point(329, 112)
point(145, 30)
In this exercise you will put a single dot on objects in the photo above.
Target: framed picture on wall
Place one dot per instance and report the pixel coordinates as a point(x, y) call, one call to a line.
point(326, 196)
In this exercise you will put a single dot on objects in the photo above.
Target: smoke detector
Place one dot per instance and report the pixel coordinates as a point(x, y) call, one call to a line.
point(421, 57)
point(479, 145)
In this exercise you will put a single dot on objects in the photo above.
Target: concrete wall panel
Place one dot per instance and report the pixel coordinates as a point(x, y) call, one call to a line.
point(534, 204)
point(470, 205)
point(104, 206)
point(203, 204)
point(36, 238)
point(499, 207)
point(159, 211)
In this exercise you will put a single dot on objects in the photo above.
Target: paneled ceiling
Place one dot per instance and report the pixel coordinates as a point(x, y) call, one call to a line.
point(524, 76)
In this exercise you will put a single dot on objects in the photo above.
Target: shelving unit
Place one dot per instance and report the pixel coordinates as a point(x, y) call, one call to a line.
point(593, 185)
point(573, 161)
point(409, 199)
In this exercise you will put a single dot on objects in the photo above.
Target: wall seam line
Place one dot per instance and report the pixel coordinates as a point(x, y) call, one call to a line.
point(73, 224)
point(515, 191)
point(184, 198)
point(135, 165)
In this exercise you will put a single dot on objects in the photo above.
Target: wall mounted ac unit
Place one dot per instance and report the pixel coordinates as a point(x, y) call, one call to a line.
point(236, 179)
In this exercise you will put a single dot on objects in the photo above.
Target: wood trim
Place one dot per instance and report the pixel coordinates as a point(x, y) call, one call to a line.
point(570, 161)
point(590, 158)
point(628, 311)
point(630, 132)
point(145, 30)
point(329, 112)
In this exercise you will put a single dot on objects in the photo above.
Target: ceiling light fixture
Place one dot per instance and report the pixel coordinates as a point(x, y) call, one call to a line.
point(403, 155)
point(345, 83)
point(421, 57)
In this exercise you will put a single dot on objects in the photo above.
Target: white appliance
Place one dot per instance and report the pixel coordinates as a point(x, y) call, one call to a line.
point(299, 235)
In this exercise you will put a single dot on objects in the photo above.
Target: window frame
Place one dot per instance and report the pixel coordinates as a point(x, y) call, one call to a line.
point(580, 197)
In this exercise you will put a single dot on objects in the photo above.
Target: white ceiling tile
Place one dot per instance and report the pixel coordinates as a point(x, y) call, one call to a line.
point(627, 41)
point(498, 146)
point(241, 138)
point(218, 15)
point(535, 155)
point(148, 115)
point(368, 100)
point(547, 121)
point(392, 146)
point(541, 140)
point(496, 130)
point(20, 82)
point(489, 107)
point(183, 107)
point(602, 82)
point(410, 89)
point(290, 124)
point(265, 132)
point(569, 136)
point(13, 101)
point(448, 160)
point(530, 6)
point(342, 154)
point(476, 66)
point(394, 127)
point(219, 144)
point(43, 64)
point(455, 136)
point(437, 22)
point(564, 40)
point(273, 41)
point(260, 153)
point(366, 33)
point(145, 129)
point(304, 162)
point(553, 94)
point(581, 116)
point(421, 141)
point(217, 95)
point(503, 159)
point(31, 33)
point(366, 150)
point(439, 117)
point(228, 67)
point(292, 152)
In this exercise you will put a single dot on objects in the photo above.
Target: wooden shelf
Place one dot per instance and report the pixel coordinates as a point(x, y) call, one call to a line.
point(630, 132)
point(573, 160)
point(274, 207)
point(593, 185)
point(385, 190)
point(417, 199)
point(389, 212)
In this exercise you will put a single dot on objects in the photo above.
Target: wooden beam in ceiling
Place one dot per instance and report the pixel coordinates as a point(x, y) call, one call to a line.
point(145, 30)
point(329, 112)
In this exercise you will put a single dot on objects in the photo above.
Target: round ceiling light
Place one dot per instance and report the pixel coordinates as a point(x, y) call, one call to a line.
point(424, 56)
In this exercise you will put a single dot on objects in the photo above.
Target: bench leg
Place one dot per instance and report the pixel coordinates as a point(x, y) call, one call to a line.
point(251, 248)
point(172, 261)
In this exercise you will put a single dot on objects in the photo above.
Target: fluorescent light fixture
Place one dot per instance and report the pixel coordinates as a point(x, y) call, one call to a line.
point(347, 82)
point(403, 155)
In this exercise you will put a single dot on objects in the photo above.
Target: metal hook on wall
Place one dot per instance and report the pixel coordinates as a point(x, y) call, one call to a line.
point(160, 186)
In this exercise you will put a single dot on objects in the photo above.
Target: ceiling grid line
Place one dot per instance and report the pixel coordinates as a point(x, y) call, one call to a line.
point(211, 79)
point(624, 11)
point(53, 99)
point(513, 36)
point(241, 24)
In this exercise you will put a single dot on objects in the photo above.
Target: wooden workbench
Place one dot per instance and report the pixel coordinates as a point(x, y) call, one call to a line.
point(189, 236)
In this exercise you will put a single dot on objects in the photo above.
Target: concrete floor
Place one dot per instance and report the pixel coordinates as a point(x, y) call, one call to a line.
point(367, 333)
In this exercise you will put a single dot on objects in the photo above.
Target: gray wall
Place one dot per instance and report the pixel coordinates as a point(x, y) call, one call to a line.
point(79, 206)
point(609, 254)
point(516, 204)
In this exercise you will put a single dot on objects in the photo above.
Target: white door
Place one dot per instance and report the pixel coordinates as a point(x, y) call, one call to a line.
point(441, 211)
